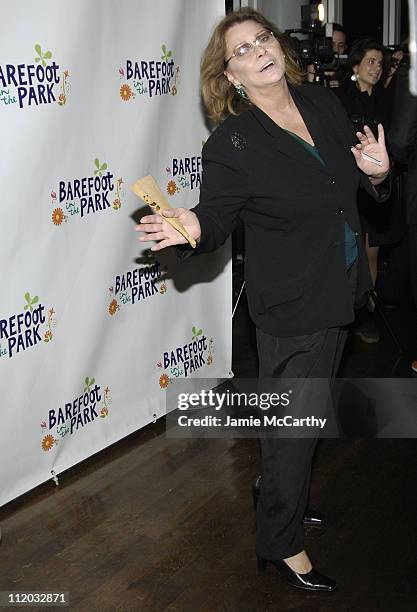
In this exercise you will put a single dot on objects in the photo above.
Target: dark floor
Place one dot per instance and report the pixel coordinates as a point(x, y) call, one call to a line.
point(155, 524)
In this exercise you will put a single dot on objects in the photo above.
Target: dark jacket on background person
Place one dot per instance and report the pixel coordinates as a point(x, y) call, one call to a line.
point(403, 138)
point(384, 225)
point(362, 108)
point(294, 210)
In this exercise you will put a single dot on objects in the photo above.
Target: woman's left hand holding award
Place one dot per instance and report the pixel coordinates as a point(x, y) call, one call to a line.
point(147, 189)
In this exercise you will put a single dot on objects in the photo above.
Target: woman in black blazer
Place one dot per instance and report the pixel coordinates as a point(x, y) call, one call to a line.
point(283, 160)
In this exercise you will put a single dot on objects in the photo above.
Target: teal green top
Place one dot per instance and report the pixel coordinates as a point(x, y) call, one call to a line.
point(351, 247)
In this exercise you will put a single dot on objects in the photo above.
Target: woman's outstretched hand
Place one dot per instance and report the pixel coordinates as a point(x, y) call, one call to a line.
point(155, 228)
point(369, 147)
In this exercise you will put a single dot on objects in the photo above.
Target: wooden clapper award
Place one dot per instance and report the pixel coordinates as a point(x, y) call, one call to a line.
point(147, 189)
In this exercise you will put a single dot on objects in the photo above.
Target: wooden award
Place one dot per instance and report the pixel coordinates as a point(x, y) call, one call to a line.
point(147, 189)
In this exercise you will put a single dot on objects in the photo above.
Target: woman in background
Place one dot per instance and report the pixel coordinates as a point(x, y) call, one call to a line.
point(366, 102)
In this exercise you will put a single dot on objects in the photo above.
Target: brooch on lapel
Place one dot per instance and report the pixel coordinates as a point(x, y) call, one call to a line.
point(238, 140)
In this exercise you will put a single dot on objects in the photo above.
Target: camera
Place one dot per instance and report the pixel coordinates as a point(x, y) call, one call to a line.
point(313, 44)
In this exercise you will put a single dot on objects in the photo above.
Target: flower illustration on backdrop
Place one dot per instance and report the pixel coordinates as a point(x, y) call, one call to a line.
point(164, 381)
point(48, 442)
point(117, 202)
point(62, 98)
point(51, 321)
point(172, 188)
point(125, 92)
point(104, 412)
point(163, 288)
point(113, 307)
point(58, 216)
point(41, 57)
point(210, 350)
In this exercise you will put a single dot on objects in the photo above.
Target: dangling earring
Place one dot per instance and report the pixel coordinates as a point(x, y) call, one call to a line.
point(354, 77)
point(239, 90)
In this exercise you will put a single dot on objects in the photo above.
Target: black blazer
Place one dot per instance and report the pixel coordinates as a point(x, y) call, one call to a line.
point(294, 211)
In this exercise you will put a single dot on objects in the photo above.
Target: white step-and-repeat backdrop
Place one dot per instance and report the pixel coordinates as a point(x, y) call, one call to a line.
point(93, 328)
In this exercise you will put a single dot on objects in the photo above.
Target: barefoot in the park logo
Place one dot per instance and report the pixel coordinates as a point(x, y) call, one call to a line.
point(182, 361)
point(137, 285)
point(86, 195)
point(183, 172)
point(42, 81)
point(27, 328)
point(78, 412)
point(150, 77)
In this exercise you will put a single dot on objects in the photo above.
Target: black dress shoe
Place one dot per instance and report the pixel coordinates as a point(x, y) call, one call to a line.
point(312, 581)
point(311, 518)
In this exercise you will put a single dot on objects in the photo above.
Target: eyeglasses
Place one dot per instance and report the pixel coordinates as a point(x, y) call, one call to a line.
point(265, 39)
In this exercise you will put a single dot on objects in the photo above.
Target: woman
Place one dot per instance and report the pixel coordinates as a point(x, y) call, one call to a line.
point(365, 99)
point(282, 158)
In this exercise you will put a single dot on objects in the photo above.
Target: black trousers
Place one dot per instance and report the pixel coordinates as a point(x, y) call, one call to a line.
point(286, 462)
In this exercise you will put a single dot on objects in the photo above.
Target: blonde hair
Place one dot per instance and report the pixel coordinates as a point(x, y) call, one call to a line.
point(219, 95)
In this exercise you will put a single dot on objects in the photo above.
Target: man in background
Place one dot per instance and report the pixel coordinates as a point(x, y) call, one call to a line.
point(339, 48)
point(339, 39)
